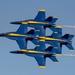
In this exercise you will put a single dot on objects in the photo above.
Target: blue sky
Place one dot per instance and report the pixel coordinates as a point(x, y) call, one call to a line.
point(14, 10)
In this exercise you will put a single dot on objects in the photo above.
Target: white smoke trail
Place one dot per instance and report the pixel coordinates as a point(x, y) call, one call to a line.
point(68, 26)
point(71, 55)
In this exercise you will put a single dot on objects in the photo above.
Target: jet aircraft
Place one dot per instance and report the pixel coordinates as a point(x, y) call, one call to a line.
point(19, 36)
point(40, 19)
point(40, 53)
point(64, 40)
point(40, 23)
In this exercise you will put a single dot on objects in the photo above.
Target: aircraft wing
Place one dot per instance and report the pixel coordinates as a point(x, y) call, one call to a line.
point(22, 29)
point(53, 43)
point(39, 30)
point(40, 46)
point(22, 43)
point(41, 61)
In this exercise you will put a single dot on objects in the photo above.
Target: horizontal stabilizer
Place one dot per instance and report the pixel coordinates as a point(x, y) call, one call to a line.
point(70, 47)
point(53, 58)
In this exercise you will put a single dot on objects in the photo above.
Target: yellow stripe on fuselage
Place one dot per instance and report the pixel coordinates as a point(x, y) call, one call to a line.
point(34, 22)
point(24, 23)
point(13, 34)
point(57, 54)
point(41, 38)
point(50, 39)
point(33, 51)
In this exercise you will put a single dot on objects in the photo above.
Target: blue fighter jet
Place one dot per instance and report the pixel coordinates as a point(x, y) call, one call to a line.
point(39, 22)
point(19, 36)
point(56, 40)
point(40, 53)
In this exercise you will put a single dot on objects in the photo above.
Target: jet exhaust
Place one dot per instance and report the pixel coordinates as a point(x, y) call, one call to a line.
point(68, 26)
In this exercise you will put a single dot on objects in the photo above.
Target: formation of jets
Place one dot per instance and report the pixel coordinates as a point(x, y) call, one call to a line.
point(39, 25)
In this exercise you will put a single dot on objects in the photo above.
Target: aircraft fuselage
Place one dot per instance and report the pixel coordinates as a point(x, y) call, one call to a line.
point(33, 53)
point(12, 35)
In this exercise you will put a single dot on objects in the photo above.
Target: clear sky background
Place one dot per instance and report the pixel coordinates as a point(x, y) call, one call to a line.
point(15, 10)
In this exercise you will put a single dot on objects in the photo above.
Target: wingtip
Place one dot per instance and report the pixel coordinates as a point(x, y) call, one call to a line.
point(42, 66)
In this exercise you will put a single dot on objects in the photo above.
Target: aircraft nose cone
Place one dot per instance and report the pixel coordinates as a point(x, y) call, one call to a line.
point(2, 35)
point(17, 22)
point(15, 52)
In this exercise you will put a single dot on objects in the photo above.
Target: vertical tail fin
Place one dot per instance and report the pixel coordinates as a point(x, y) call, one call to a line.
point(51, 19)
point(70, 46)
point(57, 31)
point(40, 16)
point(32, 32)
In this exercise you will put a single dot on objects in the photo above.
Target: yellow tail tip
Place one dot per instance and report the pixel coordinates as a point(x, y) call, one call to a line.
point(56, 62)
point(42, 66)
point(58, 26)
point(55, 17)
point(72, 50)
point(57, 54)
point(41, 10)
